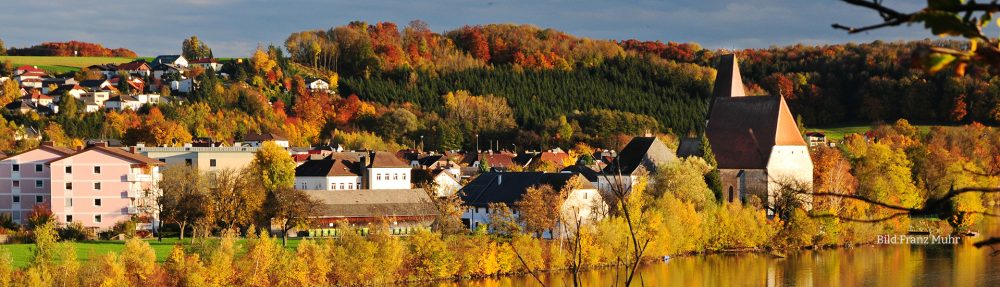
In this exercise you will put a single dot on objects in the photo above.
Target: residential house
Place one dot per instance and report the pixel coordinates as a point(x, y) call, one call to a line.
point(445, 182)
point(160, 71)
point(816, 139)
point(96, 97)
point(317, 85)
point(107, 70)
point(405, 210)
point(25, 180)
point(353, 170)
point(755, 139)
point(58, 82)
point(136, 68)
point(90, 106)
point(74, 90)
point(38, 98)
point(121, 103)
point(96, 85)
point(28, 70)
point(583, 202)
point(136, 84)
point(640, 158)
point(258, 139)
point(101, 186)
point(207, 64)
point(177, 60)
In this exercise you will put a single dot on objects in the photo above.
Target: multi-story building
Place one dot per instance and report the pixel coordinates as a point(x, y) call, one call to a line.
point(205, 158)
point(353, 170)
point(25, 180)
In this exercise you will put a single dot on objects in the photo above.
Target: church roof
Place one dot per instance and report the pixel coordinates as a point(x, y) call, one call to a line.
point(728, 82)
point(743, 130)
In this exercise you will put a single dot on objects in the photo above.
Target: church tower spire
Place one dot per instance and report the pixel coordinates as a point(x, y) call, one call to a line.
point(728, 82)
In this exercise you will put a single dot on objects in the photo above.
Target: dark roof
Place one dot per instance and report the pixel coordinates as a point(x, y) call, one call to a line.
point(509, 187)
point(263, 137)
point(333, 165)
point(689, 147)
point(92, 83)
point(743, 130)
point(728, 82)
point(367, 203)
point(583, 170)
point(815, 134)
point(429, 160)
point(165, 59)
point(117, 152)
point(524, 158)
point(640, 151)
point(133, 65)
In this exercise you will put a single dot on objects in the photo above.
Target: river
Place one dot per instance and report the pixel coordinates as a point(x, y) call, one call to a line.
point(878, 265)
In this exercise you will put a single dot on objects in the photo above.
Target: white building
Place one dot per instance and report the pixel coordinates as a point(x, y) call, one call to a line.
point(353, 170)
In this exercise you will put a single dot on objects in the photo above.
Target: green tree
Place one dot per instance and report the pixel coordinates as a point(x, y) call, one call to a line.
point(274, 167)
point(192, 48)
point(397, 123)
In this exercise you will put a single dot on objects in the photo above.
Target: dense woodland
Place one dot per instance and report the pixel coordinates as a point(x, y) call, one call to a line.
point(71, 48)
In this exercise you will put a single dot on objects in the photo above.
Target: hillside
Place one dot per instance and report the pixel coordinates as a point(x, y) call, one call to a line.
point(56, 64)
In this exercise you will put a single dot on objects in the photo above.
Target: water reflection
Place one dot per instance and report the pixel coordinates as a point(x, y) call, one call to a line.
point(886, 265)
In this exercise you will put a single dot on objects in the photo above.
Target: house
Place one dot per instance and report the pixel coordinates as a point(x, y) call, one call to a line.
point(26, 69)
point(583, 202)
point(183, 85)
point(121, 103)
point(25, 106)
point(74, 90)
point(257, 139)
point(97, 97)
point(96, 85)
point(136, 84)
point(107, 70)
point(755, 139)
point(405, 210)
point(207, 64)
point(101, 186)
point(136, 68)
point(445, 182)
point(25, 180)
point(816, 139)
point(177, 60)
point(30, 83)
point(90, 106)
point(38, 99)
point(317, 85)
point(353, 170)
point(58, 82)
point(163, 70)
point(209, 158)
point(640, 158)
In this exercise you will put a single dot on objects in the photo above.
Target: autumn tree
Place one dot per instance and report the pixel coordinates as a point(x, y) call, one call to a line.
point(11, 92)
point(236, 196)
point(184, 198)
point(192, 48)
point(290, 208)
point(540, 209)
point(274, 167)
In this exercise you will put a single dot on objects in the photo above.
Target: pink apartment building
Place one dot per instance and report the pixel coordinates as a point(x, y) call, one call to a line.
point(98, 186)
point(25, 181)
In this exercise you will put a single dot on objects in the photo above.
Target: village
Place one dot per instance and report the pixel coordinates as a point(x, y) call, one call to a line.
point(755, 141)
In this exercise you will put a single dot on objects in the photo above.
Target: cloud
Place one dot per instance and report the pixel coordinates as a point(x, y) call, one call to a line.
point(235, 27)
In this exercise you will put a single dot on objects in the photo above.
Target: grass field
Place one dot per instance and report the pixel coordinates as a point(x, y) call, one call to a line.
point(61, 64)
point(838, 132)
point(21, 253)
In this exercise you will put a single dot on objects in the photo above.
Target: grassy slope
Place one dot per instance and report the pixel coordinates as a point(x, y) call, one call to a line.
point(61, 64)
point(22, 253)
point(838, 132)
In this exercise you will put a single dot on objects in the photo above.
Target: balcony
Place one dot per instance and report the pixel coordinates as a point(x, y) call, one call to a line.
point(136, 193)
point(138, 177)
point(133, 210)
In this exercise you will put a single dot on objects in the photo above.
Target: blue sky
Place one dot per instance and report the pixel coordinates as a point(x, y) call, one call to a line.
point(234, 27)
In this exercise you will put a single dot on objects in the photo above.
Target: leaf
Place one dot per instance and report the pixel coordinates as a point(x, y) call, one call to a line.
point(946, 24)
point(937, 61)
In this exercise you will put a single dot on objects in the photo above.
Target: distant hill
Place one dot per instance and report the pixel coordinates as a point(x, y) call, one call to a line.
point(71, 48)
point(60, 65)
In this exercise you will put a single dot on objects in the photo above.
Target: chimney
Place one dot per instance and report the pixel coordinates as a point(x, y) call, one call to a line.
point(101, 144)
point(363, 170)
point(499, 179)
point(131, 149)
point(48, 143)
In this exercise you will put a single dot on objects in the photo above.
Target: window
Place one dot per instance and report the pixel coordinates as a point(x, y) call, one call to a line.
point(395, 176)
point(39, 184)
point(303, 185)
point(97, 218)
point(69, 169)
point(187, 161)
point(97, 202)
point(69, 218)
point(350, 185)
point(97, 186)
point(16, 167)
point(378, 176)
point(333, 186)
point(17, 198)
point(17, 183)
point(211, 162)
point(341, 185)
point(69, 186)
point(585, 195)
point(39, 199)
point(69, 202)
point(38, 168)
point(163, 160)
point(97, 169)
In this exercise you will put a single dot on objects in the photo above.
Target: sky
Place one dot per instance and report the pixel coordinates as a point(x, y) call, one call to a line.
point(233, 28)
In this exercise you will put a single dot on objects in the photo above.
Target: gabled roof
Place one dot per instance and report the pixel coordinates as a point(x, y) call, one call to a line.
point(509, 187)
point(27, 68)
point(333, 165)
point(381, 159)
point(585, 171)
point(166, 59)
point(648, 152)
point(93, 83)
point(61, 151)
point(117, 152)
point(103, 67)
point(134, 66)
point(430, 159)
point(728, 82)
point(367, 203)
point(743, 130)
point(689, 147)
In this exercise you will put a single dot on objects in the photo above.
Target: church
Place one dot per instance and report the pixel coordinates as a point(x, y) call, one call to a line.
point(755, 139)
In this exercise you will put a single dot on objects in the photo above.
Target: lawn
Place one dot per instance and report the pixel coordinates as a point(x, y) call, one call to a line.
point(21, 253)
point(839, 132)
point(62, 64)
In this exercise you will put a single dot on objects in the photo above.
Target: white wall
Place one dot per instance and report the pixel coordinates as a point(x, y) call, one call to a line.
point(389, 178)
point(788, 163)
point(328, 182)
